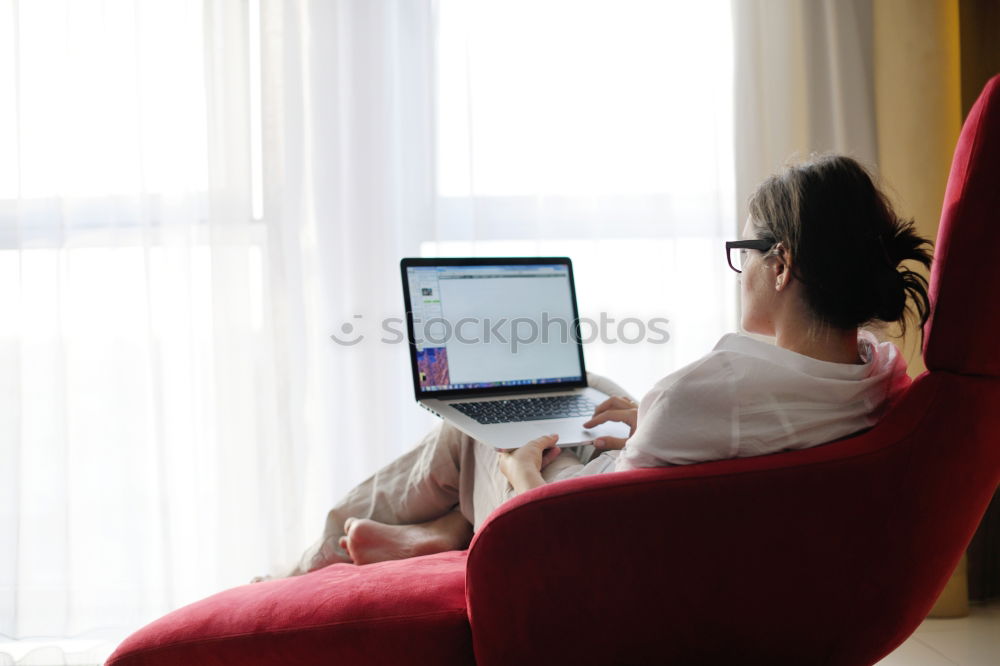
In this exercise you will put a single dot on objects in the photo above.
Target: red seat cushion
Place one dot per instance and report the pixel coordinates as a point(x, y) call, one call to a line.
point(403, 612)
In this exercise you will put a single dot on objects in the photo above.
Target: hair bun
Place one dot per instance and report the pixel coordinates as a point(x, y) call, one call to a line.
point(887, 242)
point(891, 290)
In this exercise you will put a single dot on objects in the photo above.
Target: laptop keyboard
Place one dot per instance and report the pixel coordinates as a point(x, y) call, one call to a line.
point(526, 409)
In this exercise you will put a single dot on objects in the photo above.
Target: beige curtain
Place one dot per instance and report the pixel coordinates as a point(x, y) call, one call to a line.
point(803, 84)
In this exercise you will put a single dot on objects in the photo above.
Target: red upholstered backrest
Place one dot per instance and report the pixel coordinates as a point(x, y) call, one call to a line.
point(962, 335)
point(827, 555)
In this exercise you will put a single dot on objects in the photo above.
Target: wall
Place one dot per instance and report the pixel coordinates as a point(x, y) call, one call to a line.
point(918, 112)
point(918, 108)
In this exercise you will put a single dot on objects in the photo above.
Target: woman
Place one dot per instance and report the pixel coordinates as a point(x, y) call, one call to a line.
point(820, 258)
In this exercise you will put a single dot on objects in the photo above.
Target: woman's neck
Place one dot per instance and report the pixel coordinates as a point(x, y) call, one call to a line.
point(828, 344)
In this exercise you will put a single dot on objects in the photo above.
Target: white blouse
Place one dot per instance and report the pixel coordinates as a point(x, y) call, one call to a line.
point(750, 398)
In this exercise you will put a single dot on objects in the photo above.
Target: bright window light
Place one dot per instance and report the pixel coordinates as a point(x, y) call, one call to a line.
point(90, 110)
point(582, 97)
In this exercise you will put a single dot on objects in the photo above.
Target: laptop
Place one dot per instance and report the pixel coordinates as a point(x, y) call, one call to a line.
point(495, 349)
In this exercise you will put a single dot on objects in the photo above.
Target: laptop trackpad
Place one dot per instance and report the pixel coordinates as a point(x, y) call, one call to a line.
point(572, 433)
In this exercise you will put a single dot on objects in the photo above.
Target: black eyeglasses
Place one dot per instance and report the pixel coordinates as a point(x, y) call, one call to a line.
point(739, 248)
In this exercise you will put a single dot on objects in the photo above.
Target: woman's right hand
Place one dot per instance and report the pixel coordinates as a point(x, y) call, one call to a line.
point(618, 408)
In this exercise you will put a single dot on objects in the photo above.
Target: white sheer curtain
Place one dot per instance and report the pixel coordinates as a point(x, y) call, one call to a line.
point(142, 417)
point(195, 194)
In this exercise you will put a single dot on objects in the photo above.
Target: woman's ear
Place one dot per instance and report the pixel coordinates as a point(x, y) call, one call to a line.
point(781, 266)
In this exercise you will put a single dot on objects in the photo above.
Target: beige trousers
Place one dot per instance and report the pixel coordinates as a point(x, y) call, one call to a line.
point(447, 469)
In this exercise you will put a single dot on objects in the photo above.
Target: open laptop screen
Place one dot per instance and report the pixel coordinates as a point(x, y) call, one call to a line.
point(492, 325)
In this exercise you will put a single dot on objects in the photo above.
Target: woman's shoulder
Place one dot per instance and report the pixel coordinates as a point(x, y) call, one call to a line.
point(731, 349)
point(739, 360)
point(715, 369)
point(876, 356)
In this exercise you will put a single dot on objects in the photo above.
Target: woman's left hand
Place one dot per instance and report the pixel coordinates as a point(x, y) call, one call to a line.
point(523, 466)
point(618, 408)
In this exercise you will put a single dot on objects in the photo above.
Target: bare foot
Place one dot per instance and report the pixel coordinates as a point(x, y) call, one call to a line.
point(370, 541)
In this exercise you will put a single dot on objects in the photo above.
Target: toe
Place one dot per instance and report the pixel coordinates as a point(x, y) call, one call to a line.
point(345, 545)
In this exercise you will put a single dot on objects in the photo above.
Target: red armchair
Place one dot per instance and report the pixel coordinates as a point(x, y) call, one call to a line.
point(829, 555)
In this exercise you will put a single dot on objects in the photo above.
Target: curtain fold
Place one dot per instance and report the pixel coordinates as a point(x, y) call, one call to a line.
point(804, 83)
point(351, 192)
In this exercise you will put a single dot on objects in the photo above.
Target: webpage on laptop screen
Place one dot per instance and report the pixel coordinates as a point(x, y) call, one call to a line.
point(488, 326)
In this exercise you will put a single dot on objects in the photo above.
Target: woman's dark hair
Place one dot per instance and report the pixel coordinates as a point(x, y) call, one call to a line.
point(845, 241)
